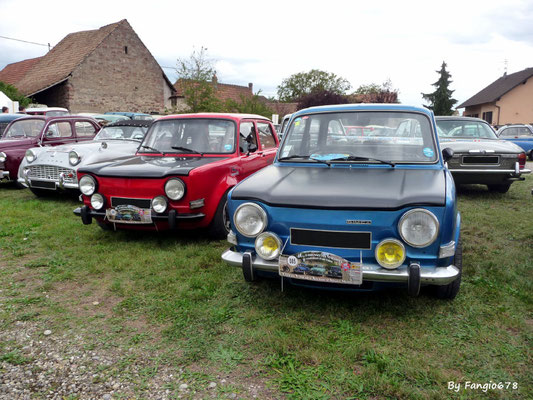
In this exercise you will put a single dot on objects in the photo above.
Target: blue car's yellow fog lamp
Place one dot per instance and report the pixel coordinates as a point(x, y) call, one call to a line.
point(268, 245)
point(390, 253)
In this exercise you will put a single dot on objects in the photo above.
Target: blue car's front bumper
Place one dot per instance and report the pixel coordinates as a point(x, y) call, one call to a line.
point(371, 272)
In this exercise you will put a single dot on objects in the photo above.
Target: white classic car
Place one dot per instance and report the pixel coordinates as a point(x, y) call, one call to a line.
point(46, 169)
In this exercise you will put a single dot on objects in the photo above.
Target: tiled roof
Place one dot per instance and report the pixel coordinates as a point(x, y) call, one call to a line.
point(12, 73)
point(59, 62)
point(498, 88)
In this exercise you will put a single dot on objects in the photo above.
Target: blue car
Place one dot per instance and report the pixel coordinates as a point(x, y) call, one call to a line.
point(519, 134)
point(383, 211)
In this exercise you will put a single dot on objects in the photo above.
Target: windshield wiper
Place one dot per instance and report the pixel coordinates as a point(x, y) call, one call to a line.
point(362, 158)
point(327, 162)
point(187, 150)
point(151, 148)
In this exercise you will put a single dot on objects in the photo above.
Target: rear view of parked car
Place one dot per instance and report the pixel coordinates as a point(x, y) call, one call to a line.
point(479, 157)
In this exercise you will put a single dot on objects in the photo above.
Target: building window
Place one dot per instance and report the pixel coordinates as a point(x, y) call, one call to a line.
point(487, 116)
point(125, 49)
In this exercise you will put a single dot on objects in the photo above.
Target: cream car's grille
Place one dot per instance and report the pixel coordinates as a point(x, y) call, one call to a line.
point(51, 172)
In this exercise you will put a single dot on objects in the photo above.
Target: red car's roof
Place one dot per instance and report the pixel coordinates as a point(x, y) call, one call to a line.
point(234, 116)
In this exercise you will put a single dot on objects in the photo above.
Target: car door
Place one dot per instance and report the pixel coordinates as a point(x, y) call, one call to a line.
point(251, 156)
point(268, 142)
point(57, 133)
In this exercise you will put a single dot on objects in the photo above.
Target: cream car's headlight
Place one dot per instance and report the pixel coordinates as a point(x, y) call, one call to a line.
point(74, 158)
point(250, 219)
point(97, 201)
point(87, 185)
point(3, 156)
point(418, 227)
point(390, 253)
point(30, 155)
point(159, 204)
point(175, 188)
point(268, 245)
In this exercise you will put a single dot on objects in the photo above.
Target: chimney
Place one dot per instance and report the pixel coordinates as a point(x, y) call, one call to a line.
point(251, 87)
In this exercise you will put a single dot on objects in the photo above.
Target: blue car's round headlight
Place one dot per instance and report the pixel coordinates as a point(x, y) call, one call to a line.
point(418, 227)
point(250, 219)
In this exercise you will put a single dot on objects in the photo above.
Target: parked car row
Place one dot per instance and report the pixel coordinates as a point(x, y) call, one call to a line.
point(357, 197)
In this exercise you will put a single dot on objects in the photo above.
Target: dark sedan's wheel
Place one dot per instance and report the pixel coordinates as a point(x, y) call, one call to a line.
point(500, 188)
point(220, 225)
point(41, 192)
point(450, 290)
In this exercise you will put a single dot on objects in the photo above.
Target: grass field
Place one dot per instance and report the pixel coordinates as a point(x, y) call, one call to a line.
point(170, 300)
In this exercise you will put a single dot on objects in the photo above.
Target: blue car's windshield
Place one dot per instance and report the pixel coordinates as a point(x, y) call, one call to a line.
point(360, 136)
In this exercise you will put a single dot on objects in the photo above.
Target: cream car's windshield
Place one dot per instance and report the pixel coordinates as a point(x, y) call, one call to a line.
point(360, 136)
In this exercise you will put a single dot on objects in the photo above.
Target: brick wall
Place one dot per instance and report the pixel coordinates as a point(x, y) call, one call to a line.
point(120, 75)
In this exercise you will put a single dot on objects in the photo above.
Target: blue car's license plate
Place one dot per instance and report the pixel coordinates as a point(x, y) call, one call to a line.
point(126, 214)
point(320, 266)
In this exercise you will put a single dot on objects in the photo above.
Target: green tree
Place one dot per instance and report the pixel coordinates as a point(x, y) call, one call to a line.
point(250, 105)
point(374, 93)
point(305, 83)
point(195, 75)
point(12, 92)
point(441, 101)
point(321, 98)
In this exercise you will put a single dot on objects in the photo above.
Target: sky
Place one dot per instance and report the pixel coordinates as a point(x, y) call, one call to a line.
point(264, 42)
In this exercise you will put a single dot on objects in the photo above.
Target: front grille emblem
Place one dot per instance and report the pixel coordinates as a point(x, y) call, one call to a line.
point(358, 222)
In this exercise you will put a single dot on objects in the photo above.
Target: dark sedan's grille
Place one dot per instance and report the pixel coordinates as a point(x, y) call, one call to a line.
point(478, 160)
point(335, 239)
point(122, 201)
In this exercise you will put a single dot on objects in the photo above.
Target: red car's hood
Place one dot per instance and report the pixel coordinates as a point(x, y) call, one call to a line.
point(12, 143)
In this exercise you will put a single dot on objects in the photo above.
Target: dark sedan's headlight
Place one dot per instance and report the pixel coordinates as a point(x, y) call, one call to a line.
point(3, 156)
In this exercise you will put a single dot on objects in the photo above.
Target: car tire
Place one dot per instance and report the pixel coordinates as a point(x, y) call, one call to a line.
point(219, 227)
point(41, 192)
point(499, 188)
point(449, 291)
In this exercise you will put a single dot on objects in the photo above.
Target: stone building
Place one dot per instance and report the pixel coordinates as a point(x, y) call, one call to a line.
point(107, 69)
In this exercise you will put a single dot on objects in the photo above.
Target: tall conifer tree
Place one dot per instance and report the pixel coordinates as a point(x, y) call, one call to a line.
point(441, 101)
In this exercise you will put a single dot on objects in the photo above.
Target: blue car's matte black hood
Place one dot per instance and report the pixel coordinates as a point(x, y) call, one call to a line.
point(344, 188)
point(149, 166)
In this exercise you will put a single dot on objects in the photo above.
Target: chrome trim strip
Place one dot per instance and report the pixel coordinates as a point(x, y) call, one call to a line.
point(434, 276)
point(492, 171)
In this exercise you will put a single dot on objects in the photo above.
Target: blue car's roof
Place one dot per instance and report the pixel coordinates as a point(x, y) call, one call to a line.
point(363, 107)
point(10, 117)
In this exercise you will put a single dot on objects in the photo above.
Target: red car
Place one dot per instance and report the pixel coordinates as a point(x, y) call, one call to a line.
point(24, 133)
point(181, 174)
